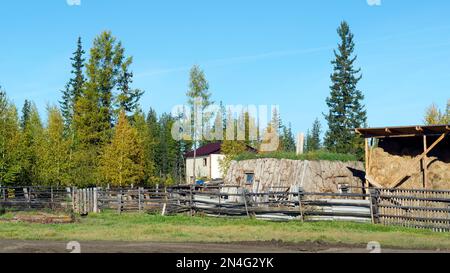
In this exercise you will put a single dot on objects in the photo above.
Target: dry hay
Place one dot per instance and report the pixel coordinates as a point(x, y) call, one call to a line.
point(385, 168)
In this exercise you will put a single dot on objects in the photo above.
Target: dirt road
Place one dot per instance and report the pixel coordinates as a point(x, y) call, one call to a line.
point(7, 246)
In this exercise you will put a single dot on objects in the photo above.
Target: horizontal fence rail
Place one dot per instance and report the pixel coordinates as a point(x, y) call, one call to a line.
point(424, 209)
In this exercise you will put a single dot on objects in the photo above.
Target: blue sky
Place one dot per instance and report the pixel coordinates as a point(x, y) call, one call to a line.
point(252, 51)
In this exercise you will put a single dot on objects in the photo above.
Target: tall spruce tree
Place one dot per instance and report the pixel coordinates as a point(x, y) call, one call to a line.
point(74, 88)
point(346, 109)
point(26, 112)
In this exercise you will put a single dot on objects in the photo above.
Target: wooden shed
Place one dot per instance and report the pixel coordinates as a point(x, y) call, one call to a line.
point(407, 157)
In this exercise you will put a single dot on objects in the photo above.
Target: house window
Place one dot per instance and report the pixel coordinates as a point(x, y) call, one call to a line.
point(205, 162)
point(344, 188)
point(249, 178)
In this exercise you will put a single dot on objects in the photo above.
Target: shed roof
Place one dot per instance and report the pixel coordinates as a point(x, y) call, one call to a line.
point(403, 131)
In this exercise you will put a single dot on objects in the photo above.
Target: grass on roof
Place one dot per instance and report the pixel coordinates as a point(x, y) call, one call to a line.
point(312, 156)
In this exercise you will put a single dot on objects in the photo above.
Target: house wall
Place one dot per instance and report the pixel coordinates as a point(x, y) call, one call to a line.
point(216, 172)
point(312, 176)
point(212, 170)
point(201, 170)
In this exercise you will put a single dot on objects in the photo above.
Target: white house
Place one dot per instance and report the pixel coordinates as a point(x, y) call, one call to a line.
point(207, 163)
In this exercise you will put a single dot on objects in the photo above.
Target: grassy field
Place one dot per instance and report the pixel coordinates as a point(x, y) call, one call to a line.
point(109, 226)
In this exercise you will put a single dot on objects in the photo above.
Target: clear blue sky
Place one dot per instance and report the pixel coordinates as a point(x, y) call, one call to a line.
point(253, 51)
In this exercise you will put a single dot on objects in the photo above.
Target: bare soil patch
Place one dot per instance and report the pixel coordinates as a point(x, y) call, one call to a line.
point(7, 246)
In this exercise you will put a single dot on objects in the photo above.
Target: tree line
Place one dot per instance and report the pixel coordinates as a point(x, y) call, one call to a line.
point(99, 135)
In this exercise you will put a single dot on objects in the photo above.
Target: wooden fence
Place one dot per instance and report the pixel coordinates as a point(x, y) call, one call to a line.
point(28, 198)
point(271, 205)
point(425, 209)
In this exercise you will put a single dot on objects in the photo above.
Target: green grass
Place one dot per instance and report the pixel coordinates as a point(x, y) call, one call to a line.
point(109, 226)
point(318, 155)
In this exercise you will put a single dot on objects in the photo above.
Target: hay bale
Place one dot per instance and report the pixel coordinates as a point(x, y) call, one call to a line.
point(385, 168)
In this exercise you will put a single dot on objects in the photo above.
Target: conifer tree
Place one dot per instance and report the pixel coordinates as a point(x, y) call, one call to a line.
point(74, 88)
point(287, 139)
point(346, 111)
point(313, 142)
point(26, 111)
point(122, 161)
point(148, 141)
point(128, 98)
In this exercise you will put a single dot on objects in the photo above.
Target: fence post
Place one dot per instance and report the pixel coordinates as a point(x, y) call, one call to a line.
point(164, 209)
point(88, 200)
point(119, 202)
point(220, 201)
point(51, 198)
point(245, 202)
point(374, 198)
point(73, 199)
point(91, 199)
point(68, 197)
point(85, 201)
point(300, 197)
point(29, 197)
point(26, 195)
point(140, 199)
point(191, 203)
point(96, 200)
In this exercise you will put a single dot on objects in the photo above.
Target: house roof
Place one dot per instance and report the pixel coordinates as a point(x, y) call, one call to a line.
point(208, 149)
point(212, 148)
point(404, 131)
